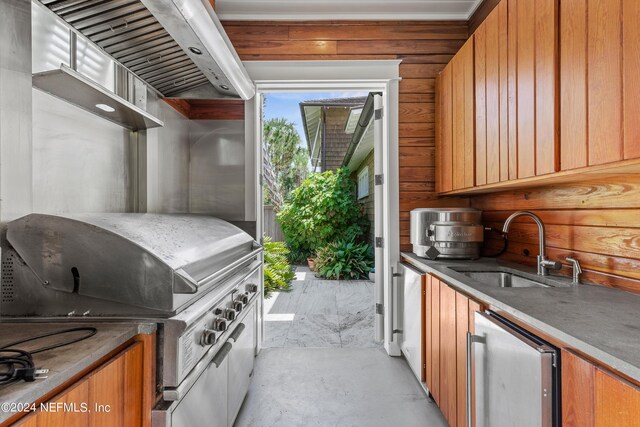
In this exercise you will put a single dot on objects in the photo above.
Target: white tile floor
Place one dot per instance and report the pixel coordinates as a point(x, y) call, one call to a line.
point(322, 366)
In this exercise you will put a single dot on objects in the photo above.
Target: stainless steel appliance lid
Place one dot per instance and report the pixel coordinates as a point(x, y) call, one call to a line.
point(198, 244)
point(436, 210)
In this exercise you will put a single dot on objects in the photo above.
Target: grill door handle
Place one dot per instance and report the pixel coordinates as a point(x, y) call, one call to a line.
point(222, 354)
point(237, 332)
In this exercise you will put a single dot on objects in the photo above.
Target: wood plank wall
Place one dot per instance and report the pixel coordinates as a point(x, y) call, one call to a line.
point(423, 47)
point(596, 222)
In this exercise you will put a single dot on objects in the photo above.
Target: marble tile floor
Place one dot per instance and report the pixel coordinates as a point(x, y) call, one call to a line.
point(322, 367)
point(341, 387)
point(321, 313)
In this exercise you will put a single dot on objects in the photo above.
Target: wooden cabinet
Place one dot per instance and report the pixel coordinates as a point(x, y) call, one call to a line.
point(456, 130)
point(446, 327)
point(594, 397)
point(118, 393)
point(600, 82)
point(516, 59)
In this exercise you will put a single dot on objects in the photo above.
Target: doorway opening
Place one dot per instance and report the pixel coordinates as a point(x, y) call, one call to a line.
point(319, 219)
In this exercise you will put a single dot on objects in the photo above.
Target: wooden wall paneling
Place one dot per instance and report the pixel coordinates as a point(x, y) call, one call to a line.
point(578, 386)
point(596, 222)
point(448, 360)
point(525, 59)
point(469, 114)
point(428, 335)
point(435, 340)
point(493, 97)
point(423, 47)
point(631, 77)
point(462, 327)
point(604, 62)
point(617, 402)
point(75, 396)
point(573, 84)
point(546, 88)
point(512, 87)
point(480, 37)
point(503, 89)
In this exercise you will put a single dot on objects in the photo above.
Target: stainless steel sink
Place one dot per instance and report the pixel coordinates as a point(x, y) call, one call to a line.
point(503, 279)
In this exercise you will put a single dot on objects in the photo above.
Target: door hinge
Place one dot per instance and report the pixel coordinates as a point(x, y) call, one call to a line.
point(379, 308)
point(378, 179)
point(378, 114)
point(379, 242)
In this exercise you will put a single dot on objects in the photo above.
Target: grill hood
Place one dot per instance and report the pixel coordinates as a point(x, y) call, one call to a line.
point(178, 47)
point(156, 261)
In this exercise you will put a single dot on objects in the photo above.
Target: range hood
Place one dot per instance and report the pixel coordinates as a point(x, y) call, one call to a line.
point(177, 47)
point(67, 84)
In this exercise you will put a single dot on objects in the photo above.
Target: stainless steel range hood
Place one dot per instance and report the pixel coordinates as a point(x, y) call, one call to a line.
point(175, 46)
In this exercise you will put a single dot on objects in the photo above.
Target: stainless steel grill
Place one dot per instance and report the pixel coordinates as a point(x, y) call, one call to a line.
point(132, 35)
point(118, 264)
point(198, 276)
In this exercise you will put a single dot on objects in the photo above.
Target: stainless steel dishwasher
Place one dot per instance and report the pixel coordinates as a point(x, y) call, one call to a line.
point(514, 375)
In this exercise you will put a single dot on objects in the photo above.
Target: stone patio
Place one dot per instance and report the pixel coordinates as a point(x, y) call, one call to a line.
point(321, 313)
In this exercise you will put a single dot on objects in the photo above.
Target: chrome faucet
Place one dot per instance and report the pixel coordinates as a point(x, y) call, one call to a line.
point(544, 265)
point(577, 270)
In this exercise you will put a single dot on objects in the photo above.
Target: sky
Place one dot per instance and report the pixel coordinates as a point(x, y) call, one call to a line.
point(287, 105)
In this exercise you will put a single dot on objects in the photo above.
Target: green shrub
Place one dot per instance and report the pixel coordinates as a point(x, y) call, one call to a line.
point(278, 274)
point(344, 260)
point(323, 209)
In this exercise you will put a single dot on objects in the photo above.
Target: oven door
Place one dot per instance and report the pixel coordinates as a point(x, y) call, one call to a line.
point(205, 404)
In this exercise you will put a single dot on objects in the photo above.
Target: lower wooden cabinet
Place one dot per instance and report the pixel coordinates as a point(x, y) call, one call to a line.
point(118, 393)
point(593, 397)
point(446, 326)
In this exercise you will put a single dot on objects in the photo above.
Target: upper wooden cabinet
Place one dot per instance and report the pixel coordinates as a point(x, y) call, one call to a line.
point(600, 81)
point(516, 59)
point(455, 137)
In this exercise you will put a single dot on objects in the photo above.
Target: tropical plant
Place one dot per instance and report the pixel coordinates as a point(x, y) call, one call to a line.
point(278, 274)
point(344, 259)
point(288, 159)
point(323, 209)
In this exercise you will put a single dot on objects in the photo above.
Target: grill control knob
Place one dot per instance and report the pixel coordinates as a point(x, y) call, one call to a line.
point(252, 288)
point(237, 306)
point(243, 298)
point(229, 313)
point(208, 337)
point(220, 325)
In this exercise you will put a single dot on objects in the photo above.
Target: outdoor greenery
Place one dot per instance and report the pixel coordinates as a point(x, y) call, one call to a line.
point(344, 259)
point(322, 210)
point(278, 274)
point(289, 160)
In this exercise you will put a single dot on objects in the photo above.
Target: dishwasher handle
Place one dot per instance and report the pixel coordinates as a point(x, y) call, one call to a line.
point(471, 339)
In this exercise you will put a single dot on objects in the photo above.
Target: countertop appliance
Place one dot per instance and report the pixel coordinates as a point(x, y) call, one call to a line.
point(451, 233)
point(197, 276)
point(515, 375)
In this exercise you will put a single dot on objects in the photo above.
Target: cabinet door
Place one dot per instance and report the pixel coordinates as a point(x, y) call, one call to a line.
point(600, 83)
point(448, 359)
point(617, 402)
point(463, 117)
point(444, 135)
point(434, 386)
point(462, 327)
point(577, 391)
point(428, 321)
point(532, 51)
